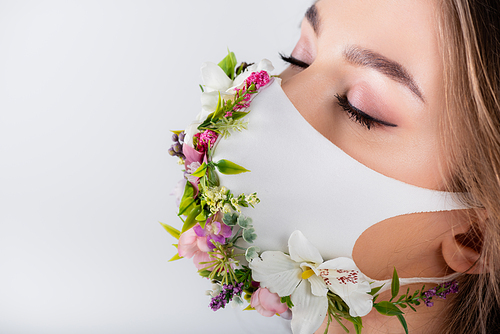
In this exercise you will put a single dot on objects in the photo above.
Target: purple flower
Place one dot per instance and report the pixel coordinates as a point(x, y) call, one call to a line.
point(441, 291)
point(216, 231)
point(226, 295)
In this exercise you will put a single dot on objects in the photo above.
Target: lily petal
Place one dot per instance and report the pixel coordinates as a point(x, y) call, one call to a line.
point(343, 278)
point(360, 302)
point(214, 78)
point(302, 250)
point(277, 272)
point(190, 131)
point(308, 311)
point(318, 286)
point(339, 263)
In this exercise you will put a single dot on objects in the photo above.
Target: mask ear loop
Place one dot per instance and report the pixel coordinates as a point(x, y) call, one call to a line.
point(461, 251)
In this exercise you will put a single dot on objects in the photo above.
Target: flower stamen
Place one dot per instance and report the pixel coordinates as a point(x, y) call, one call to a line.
point(307, 273)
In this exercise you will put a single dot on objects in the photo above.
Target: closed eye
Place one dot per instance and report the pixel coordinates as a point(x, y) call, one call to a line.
point(358, 115)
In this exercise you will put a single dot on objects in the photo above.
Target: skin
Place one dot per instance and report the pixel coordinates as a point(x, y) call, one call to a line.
point(404, 32)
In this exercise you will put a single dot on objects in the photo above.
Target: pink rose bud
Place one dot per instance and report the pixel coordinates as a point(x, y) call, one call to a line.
point(267, 303)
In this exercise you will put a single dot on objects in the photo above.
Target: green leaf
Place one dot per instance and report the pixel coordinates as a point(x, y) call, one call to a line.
point(358, 328)
point(356, 320)
point(200, 171)
point(206, 122)
point(187, 198)
point(249, 235)
point(229, 168)
point(230, 219)
point(202, 90)
point(395, 284)
point(245, 222)
point(177, 132)
point(375, 290)
point(204, 272)
point(228, 64)
point(248, 308)
point(213, 177)
point(287, 301)
point(238, 114)
point(175, 258)
point(219, 110)
point(387, 308)
point(191, 219)
point(173, 231)
point(202, 217)
point(251, 253)
point(403, 322)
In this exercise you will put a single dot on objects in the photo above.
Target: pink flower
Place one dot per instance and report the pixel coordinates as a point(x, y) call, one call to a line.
point(260, 79)
point(215, 231)
point(192, 245)
point(205, 138)
point(190, 170)
point(193, 156)
point(268, 304)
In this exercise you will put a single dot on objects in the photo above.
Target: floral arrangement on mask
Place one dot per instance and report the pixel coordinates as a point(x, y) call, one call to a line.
point(297, 285)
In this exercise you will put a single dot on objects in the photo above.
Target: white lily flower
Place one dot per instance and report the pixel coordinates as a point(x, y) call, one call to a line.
point(209, 103)
point(214, 78)
point(216, 81)
point(190, 131)
point(304, 277)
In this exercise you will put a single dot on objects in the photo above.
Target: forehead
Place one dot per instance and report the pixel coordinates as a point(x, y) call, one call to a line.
point(405, 31)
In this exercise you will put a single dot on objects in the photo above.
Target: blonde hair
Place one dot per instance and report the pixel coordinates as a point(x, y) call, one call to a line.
point(470, 34)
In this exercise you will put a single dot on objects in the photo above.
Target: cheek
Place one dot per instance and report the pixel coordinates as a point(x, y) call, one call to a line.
point(408, 153)
point(314, 97)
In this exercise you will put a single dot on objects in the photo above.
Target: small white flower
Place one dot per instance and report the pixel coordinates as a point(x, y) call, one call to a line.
point(234, 202)
point(306, 278)
point(237, 302)
point(227, 208)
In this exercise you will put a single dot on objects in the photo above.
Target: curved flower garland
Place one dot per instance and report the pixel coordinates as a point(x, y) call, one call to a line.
point(298, 285)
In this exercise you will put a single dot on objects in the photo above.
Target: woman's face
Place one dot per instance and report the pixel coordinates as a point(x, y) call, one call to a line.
point(368, 76)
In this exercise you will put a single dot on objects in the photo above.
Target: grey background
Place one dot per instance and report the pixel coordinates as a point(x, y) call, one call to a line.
point(88, 93)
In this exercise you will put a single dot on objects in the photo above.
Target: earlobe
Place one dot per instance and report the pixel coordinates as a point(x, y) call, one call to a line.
point(462, 249)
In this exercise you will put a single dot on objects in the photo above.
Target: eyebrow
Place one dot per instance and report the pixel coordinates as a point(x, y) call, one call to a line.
point(367, 58)
point(313, 18)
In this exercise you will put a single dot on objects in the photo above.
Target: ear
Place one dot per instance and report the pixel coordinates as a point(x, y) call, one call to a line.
point(462, 246)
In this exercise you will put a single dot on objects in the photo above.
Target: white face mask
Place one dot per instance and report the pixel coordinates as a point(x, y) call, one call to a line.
point(307, 183)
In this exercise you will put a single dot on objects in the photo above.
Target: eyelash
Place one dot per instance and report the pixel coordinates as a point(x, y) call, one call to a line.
point(354, 113)
point(294, 61)
point(357, 115)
